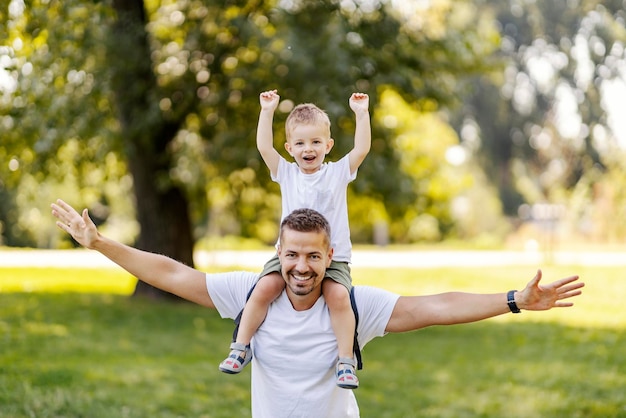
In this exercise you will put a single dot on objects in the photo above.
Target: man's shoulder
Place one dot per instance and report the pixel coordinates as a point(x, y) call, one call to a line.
point(374, 308)
point(369, 288)
point(232, 281)
point(363, 294)
point(228, 291)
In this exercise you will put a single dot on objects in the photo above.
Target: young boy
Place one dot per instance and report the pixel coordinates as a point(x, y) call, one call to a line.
point(309, 183)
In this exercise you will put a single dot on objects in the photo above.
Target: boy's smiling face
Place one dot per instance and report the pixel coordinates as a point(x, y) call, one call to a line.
point(308, 145)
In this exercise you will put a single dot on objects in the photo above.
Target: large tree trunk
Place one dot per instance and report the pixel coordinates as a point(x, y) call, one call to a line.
point(162, 207)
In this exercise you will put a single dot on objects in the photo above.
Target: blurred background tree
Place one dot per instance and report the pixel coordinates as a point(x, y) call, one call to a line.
point(548, 127)
point(145, 112)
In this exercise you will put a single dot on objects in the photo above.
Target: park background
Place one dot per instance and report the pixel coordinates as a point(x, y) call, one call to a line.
point(498, 134)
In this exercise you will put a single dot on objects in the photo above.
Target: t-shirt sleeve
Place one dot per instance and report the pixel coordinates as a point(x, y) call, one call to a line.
point(228, 291)
point(283, 169)
point(343, 166)
point(375, 307)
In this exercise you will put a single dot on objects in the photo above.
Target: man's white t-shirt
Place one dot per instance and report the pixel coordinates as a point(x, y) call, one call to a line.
point(295, 351)
point(325, 191)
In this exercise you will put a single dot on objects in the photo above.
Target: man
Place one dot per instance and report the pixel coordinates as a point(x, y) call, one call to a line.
point(297, 328)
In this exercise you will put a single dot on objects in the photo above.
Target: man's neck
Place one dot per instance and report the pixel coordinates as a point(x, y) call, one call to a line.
point(303, 302)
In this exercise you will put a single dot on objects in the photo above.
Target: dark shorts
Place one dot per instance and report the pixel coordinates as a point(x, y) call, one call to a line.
point(339, 271)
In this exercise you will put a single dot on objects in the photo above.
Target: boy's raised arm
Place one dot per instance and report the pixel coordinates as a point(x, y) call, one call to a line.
point(264, 134)
point(359, 103)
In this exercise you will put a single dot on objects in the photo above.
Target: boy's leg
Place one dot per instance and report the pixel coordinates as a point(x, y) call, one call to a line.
point(343, 322)
point(266, 290)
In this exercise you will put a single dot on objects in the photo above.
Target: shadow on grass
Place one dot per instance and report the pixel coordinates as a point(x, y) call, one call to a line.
point(77, 355)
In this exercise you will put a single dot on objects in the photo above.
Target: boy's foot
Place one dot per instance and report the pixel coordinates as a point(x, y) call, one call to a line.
point(346, 375)
point(240, 355)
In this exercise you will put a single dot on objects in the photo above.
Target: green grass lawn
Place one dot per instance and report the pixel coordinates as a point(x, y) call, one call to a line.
point(74, 348)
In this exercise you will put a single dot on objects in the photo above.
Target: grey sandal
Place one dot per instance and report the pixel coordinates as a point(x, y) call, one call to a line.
point(239, 357)
point(345, 372)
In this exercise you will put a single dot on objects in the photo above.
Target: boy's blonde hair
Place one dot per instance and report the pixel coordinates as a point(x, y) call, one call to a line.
point(306, 114)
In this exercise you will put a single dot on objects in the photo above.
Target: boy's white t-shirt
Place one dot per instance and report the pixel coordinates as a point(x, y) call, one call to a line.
point(325, 191)
point(293, 368)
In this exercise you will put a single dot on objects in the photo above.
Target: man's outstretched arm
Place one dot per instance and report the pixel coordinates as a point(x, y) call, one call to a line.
point(415, 312)
point(157, 270)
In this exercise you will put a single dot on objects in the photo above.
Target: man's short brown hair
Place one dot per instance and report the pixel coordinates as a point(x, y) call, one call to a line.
point(306, 220)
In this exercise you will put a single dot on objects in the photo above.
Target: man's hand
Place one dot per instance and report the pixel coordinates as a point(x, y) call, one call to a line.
point(359, 102)
point(81, 228)
point(269, 100)
point(535, 297)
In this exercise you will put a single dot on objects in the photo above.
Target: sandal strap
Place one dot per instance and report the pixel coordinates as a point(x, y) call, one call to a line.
point(346, 360)
point(238, 346)
point(239, 356)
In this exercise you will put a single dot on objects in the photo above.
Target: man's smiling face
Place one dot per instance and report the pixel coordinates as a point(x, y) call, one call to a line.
point(304, 257)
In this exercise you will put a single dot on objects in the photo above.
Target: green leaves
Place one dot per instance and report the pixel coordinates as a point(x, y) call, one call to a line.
point(191, 96)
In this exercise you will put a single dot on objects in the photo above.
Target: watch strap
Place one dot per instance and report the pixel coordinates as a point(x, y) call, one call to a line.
point(510, 300)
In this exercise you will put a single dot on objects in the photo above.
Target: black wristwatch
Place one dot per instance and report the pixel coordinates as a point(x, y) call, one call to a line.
point(510, 300)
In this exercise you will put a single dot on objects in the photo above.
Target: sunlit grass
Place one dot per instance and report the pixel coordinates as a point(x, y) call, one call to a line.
point(82, 280)
point(98, 353)
point(602, 302)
